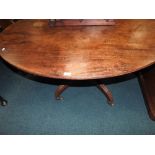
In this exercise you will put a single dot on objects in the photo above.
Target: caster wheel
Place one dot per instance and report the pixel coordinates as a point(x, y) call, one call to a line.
point(60, 98)
point(111, 103)
point(4, 103)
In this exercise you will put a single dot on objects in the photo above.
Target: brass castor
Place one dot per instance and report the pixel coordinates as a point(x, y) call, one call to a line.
point(59, 91)
point(59, 98)
point(3, 102)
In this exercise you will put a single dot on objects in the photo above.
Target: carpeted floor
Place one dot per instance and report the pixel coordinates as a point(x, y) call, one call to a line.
point(32, 108)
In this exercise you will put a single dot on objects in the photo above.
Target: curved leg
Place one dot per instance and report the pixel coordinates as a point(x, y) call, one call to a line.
point(3, 102)
point(107, 93)
point(59, 91)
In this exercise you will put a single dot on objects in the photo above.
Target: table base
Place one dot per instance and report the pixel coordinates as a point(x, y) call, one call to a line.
point(61, 88)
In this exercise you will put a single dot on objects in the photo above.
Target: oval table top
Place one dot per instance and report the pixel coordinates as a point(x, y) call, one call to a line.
point(79, 52)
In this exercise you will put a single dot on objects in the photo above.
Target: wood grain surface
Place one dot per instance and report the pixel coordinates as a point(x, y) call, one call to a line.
point(79, 53)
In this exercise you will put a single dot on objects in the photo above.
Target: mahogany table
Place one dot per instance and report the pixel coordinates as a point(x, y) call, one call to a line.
point(79, 52)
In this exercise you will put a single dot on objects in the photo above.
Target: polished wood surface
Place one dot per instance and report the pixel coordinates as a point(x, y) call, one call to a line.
point(79, 53)
point(147, 81)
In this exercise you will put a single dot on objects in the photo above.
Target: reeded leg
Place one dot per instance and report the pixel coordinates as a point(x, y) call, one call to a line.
point(59, 91)
point(3, 102)
point(107, 93)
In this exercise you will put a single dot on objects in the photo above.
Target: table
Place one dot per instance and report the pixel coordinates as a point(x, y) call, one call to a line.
point(79, 52)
